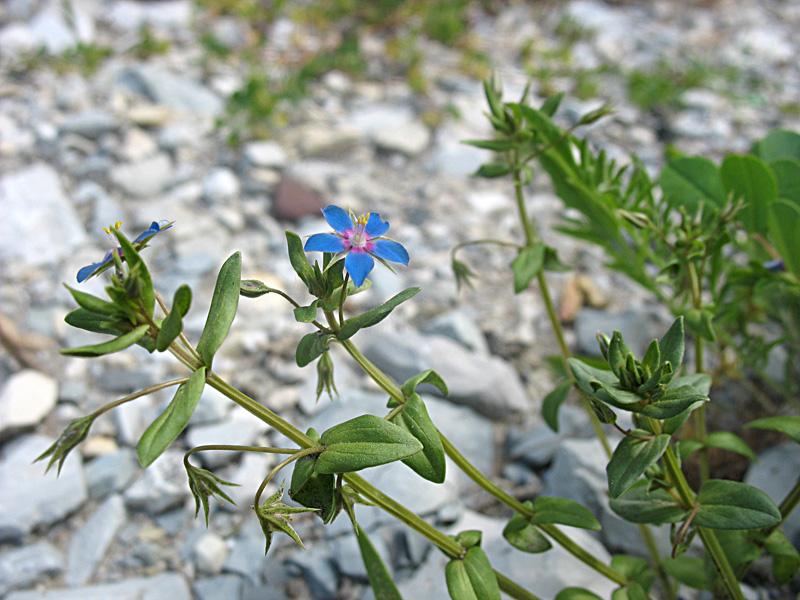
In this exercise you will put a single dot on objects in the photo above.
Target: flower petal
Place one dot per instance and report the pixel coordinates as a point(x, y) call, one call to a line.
point(85, 272)
point(375, 225)
point(337, 218)
point(324, 242)
point(390, 250)
point(155, 227)
point(358, 264)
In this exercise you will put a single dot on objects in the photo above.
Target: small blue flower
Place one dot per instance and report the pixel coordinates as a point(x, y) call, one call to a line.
point(139, 242)
point(776, 266)
point(359, 239)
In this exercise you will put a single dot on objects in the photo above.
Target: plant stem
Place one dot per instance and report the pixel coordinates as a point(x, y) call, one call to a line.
point(235, 448)
point(708, 536)
point(391, 388)
point(295, 455)
point(344, 297)
point(790, 502)
point(699, 416)
point(148, 390)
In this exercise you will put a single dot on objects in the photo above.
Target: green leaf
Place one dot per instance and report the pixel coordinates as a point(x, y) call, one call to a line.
point(635, 568)
point(224, 303)
point(314, 490)
point(527, 265)
point(115, 345)
point(135, 263)
point(784, 231)
point(552, 403)
point(691, 571)
point(472, 578)
point(787, 174)
point(785, 558)
point(734, 505)
point(632, 591)
point(366, 441)
point(790, 425)
point(494, 145)
point(779, 143)
point(430, 463)
point(552, 509)
point(576, 593)
point(93, 303)
point(692, 180)
point(700, 323)
point(631, 458)
point(97, 323)
point(430, 377)
point(311, 347)
point(725, 440)
point(585, 375)
point(672, 345)
point(306, 314)
point(380, 579)
point(524, 535)
point(749, 178)
point(551, 104)
point(297, 257)
point(375, 315)
point(170, 423)
point(674, 402)
point(640, 506)
point(492, 170)
point(253, 288)
point(172, 325)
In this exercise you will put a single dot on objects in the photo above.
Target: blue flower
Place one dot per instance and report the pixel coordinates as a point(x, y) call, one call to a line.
point(359, 239)
point(139, 242)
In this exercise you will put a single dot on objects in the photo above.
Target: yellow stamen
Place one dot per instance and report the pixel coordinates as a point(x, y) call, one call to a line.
point(108, 230)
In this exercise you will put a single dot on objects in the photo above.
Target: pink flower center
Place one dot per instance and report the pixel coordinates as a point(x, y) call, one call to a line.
point(357, 240)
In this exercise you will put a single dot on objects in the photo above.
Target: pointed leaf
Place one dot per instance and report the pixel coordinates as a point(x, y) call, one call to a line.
point(640, 506)
point(492, 170)
point(692, 180)
point(785, 558)
point(563, 511)
point(375, 315)
point(430, 463)
point(672, 345)
point(366, 441)
point(297, 257)
point(124, 341)
point(789, 425)
point(311, 347)
point(472, 578)
point(748, 178)
point(734, 505)
point(552, 403)
point(725, 440)
point(383, 587)
point(784, 231)
point(527, 265)
point(93, 303)
point(524, 535)
point(224, 303)
point(778, 144)
point(430, 377)
point(95, 322)
point(631, 458)
point(172, 325)
point(169, 424)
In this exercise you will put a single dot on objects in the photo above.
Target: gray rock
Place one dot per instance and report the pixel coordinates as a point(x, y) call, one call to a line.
point(537, 447)
point(410, 139)
point(23, 567)
point(212, 407)
point(578, 472)
point(347, 555)
point(163, 485)
point(90, 124)
point(237, 430)
point(34, 202)
point(638, 328)
point(89, 544)
point(775, 472)
point(547, 575)
point(28, 497)
point(51, 28)
point(172, 90)
point(484, 383)
point(246, 557)
point(451, 157)
point(166, 586)
point(314, 564)
point(221, 185)
point(224, 587)
point(26, 399)
point(210, 553)
point(459, 327)
point(265, 154)
point(143, 178)
point(131, 15)
point(111, 473)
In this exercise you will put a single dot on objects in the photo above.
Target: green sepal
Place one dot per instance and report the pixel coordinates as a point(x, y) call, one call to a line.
point(314, 490)
point(170, 423)
point(224, 303)
point(362, 442)
point(253, 288)
point(203, 484)
point(74, 433)
point(172, 325)
point(138, 269)
point(116, 345)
